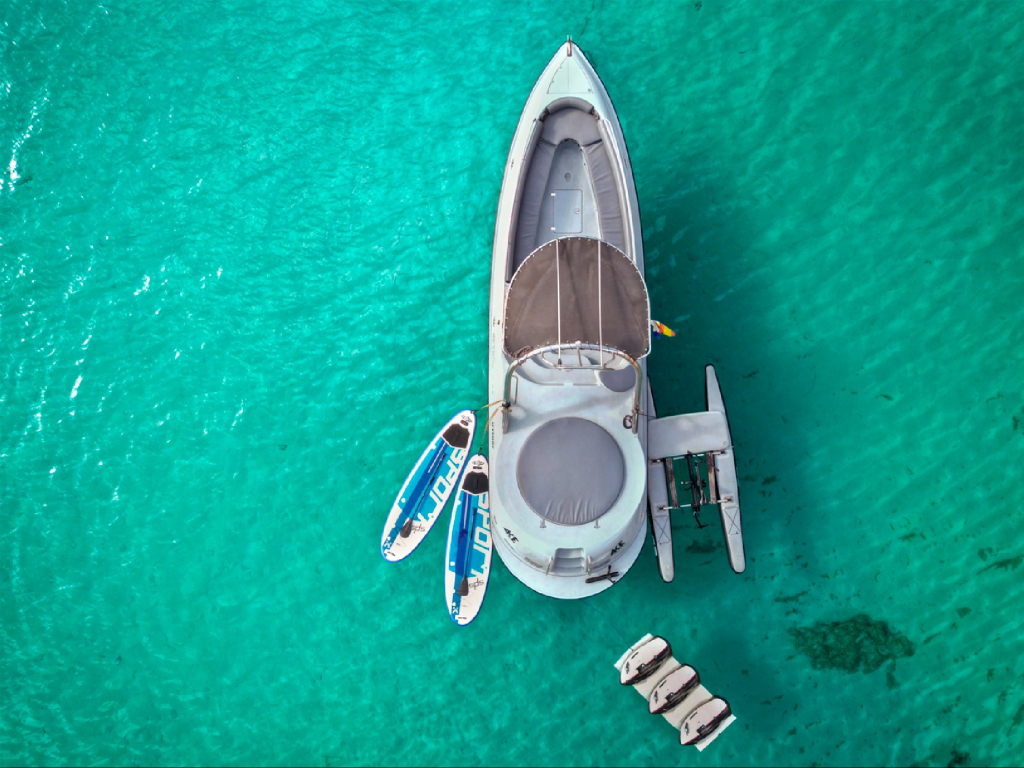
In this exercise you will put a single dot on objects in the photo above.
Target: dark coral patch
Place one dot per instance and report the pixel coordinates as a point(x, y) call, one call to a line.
point(1009, 564)
point(859, 644)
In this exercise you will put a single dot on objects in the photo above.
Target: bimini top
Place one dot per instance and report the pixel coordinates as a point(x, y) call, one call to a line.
point(578, 289)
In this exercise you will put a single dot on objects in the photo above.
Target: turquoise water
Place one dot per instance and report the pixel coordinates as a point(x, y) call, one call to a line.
point(244, 258)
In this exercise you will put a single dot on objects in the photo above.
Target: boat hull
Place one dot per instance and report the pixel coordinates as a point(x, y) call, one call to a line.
point(562, 561)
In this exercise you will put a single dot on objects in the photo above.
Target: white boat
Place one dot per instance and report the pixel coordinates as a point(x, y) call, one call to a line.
point(569, 335)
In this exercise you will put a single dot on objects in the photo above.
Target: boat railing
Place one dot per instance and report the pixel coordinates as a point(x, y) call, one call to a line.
point(631, 421)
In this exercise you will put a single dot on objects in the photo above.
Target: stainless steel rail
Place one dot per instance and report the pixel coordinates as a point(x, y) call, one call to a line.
point(632, 421)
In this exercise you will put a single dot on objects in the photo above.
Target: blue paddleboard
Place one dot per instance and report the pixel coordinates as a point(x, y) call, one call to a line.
point(428, 488)
point(468, 562)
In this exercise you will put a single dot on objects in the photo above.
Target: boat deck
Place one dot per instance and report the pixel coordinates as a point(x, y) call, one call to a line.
point(581, 397)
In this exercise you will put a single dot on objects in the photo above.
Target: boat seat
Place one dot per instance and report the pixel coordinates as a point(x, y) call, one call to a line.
point(570, 124)
point(687, 433)
point(533, 196)
point(609, 211)
point(570, 471)
point(621, 380)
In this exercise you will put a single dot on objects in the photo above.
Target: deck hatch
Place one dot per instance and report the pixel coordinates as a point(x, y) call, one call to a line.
point(568, 211)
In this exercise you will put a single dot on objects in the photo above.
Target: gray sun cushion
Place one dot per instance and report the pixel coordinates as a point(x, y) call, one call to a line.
point(570, 471)
point(573, 124)
point(569, 123)
point(621, 380)
point(609, 211)
point(533, 196)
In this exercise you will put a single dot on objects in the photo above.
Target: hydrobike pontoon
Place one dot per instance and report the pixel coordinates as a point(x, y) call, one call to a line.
point(578, 461)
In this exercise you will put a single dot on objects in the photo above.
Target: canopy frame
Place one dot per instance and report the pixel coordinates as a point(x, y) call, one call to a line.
point(530, 294)
point(630, 421)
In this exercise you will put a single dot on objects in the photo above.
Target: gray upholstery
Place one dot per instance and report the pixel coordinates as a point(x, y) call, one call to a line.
point(570, 471)
point(609, 210)
point(621, 380)
point(532, 197)
point(573, 268)
point(570, 102)
point(571, 124)
point(570, 119)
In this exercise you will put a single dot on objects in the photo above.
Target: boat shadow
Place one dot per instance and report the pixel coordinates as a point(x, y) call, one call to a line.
point(708, 278)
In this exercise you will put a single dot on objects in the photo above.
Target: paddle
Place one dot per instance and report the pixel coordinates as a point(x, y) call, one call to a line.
point(464, 548)
point(425, 481)
point(474, 484)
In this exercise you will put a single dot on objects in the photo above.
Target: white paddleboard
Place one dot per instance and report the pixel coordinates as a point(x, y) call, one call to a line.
point(427, 488)
point(468, 560)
